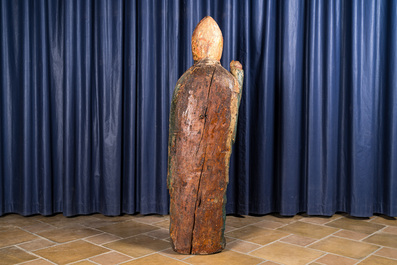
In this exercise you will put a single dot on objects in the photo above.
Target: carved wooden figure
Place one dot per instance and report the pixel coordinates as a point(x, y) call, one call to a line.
point(202, 129)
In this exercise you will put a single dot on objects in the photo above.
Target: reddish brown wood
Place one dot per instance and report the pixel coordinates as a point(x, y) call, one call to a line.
point(202, 126)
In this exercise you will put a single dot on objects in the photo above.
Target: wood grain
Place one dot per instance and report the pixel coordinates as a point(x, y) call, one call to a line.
point(202, 125)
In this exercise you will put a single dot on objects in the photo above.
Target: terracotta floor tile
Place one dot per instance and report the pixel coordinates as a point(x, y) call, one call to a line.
point(351, 234)
point(298, 240)
point(345, 247)
point(84, 262)
point(159, 233)
point(236, 221)
point(387, 252)
point(308, 230)
point(138, 246)
point(171, 253)
point(70, 226)
point(383, 239)
point(385, 220)
point(102, 238)
point(38, 227)
point(17, 220)
point(36, 244)
point(257, 235)
point(60, 220)
point(38, 262)
point(6, 227)
point(163, 224)
point(118, 218)
point(127, 229)
point(268, 237)
point(100, 223)
point(94, 222)
point(228, 239)
point(62, 235)
point(319, 220)
point(150, 219)
point(226, 257)
point(376, 260)
point(14, 255)
point(15, 236)
point(355, 225)
point(287, 254)
point(70, 252)
point(137, 235)
point(390, 230)
point(110, 258)
point(269, 224)
point(331, 259)
point(242, 246)
point(229, 228)
point(246, 232)
point(154, 259)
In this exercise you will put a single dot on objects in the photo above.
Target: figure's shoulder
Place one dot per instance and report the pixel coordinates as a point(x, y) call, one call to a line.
point(224, 76)
point(182, 81)
point(185, 75)
point(223, 72)
point(203, 71)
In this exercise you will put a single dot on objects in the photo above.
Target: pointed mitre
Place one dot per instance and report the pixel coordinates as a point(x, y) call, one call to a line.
point(207, 40)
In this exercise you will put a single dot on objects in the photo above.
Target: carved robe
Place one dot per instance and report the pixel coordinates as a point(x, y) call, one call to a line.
point(203, 121)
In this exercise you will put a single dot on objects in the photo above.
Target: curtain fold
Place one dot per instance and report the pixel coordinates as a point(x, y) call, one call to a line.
point(86, 89)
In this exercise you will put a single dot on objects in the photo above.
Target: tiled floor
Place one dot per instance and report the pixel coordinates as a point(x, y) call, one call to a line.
point(137, 239)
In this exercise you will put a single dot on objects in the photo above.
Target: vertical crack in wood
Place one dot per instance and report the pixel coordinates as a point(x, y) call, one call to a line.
point(205, 112)
point(198, 195)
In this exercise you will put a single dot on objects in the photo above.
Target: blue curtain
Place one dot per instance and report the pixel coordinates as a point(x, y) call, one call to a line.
point(86, 89)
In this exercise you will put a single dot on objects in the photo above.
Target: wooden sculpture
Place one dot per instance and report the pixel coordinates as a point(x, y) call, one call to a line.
point(202, 129)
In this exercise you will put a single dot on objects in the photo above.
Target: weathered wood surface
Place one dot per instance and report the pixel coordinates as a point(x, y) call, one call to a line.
point(202, 125)
point(202, 128)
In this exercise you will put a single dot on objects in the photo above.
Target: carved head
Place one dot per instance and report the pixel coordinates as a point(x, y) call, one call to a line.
point(207, 40)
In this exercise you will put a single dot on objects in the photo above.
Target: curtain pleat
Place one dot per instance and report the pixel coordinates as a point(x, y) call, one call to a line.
point(86, 89)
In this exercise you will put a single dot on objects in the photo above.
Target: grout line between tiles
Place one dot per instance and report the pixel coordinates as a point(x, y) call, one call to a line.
point(101, 244)
point(39, 237)
point(334, 254)
point(25, 262)
point(374, 254)
point(182, 260)
point(87, 259)
point(33, 254)
point(320, 239)
point(86, 239)
point(361, 240)
point(245, 241)
point(326, 252)
point(131, 258)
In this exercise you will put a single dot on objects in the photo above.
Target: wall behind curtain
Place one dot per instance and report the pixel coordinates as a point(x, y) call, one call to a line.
point(86, 89)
